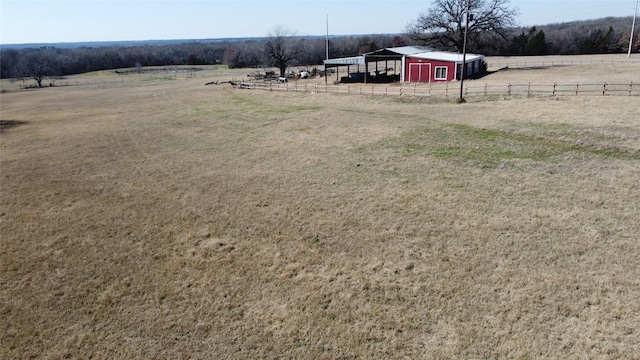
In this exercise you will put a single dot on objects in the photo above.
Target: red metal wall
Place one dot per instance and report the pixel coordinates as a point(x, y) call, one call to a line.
point(410, 70)
point(423, 70)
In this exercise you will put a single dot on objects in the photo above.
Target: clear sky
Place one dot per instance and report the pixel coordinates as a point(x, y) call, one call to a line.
point(47, 21)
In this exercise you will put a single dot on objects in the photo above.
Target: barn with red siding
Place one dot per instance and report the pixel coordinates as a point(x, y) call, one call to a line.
point(437, 66)
point(410, 64)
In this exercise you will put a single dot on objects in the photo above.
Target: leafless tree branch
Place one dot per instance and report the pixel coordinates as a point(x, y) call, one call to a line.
point(443, 25)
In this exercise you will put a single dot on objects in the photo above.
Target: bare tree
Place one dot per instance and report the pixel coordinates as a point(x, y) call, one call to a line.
point(38, 65)
point(281, 48)
point(443, 25)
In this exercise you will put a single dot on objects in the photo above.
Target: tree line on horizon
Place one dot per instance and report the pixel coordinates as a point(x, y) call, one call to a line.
point(602, 36)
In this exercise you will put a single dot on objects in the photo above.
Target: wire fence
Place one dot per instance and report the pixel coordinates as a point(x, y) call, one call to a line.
point(539, 63)
point(451, 90)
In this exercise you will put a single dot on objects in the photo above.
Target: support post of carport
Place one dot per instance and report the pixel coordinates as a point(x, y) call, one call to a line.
point(366, 69)
point(326, 75)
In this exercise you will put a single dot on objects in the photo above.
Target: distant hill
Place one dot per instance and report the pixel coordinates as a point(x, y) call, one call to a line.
point(132, 43)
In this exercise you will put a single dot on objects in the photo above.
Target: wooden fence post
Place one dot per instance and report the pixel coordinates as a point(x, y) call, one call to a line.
point(509, 89)
point(554, 89)
point(630, 88)
point(577, 88)
point(604, 89)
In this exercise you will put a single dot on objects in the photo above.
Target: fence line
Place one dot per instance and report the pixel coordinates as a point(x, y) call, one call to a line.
point(453, 89)
point(504, 63)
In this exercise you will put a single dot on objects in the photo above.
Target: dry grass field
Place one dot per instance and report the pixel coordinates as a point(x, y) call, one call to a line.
point(156, 218)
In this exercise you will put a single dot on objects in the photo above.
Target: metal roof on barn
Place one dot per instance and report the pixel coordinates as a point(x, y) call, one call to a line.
point(353, 60)
point(397, 53)
point(447, 56)
point(400, 50)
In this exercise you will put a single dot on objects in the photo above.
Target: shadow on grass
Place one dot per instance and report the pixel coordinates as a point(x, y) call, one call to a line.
point(7, 124)
point(523, 68)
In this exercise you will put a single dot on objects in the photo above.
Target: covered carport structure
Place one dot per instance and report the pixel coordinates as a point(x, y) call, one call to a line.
point(354, 62)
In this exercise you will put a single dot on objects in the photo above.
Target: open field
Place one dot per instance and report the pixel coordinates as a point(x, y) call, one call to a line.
point(151, 217)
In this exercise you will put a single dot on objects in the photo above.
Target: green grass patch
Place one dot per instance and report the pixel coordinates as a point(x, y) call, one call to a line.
point(297, 108)
point(481, 145)
point(488, 147)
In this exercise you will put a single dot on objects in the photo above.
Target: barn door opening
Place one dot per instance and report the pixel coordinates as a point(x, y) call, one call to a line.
point(420, 73)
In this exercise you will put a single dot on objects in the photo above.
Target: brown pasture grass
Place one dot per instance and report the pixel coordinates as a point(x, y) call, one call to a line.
point(596, 69)
point(167, 219)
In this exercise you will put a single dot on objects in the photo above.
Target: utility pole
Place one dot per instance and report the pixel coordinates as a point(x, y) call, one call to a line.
point(326, 74)
point(464, 56)
point(633, 28)
point(327, 38)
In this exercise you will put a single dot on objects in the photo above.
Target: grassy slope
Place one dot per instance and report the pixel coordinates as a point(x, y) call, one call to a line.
point(169, 219)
